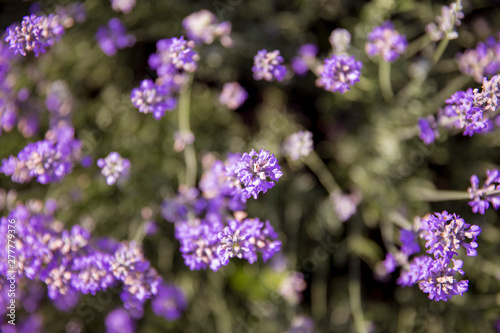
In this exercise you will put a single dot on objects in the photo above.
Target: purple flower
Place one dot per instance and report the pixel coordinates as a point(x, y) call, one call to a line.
point(71, 13)
point(482, 61)
point(124, 6)
point(119, 321)
point(299, 144)
point(268, 66)
point(339, 73)
point(233, 241)
point(150, 98)
point(113, 167)
point(428, 130)
point(445, 24)
point(481, 197)
point(386, 42)
point(254, 170)
point(292, 287)
point(233, 95)
point(91, 273)
point(445, 233)
point(113, 37)
point(390, 263)
point(409, 242)
point(345, 205)
point(35, 34)
point(202, 26)
point(306, 58)
point(440, 283)
point(174, 55)
point(417, 270)
point(169, 303)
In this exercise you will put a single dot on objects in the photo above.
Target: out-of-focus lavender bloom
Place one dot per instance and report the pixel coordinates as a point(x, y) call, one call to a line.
point(169, 303)
point(151, 98)
point(233, 95)
point(386, 42)
point(390, 263)
point(292, 287)
point(339, 72)
point(428, 130)
point(87, 161)
point(203, 27)
point(67, 301)
point(305, 59)
point(340, 40)
point(268, 66)
point(301, 324)
point(124, 6)
point(445, 233)
point(181, 139)
point(150, 228)
point(482, 61)
point(71, 13)
point(480, 197)
point(35, 34)
point(113, 37)
point(444, 27)
point(409, 242)
point(113, 167)
point(345, 204)
point(299, 144)
point(119, 321)
point(59, 101)
point(415, 272)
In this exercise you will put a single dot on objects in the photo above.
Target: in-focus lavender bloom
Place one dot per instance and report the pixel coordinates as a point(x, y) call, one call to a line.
point(254, 170)
point(445, 233)
point(390, 263)
point(268, 66)
point(386, 42)
point(440, 283)
point(345, 204)
point(489, 97)
point(480, 197)
point(482, 61)
point(119, 321)
point(203, 27)
point(339, 73)
point(428, 130)
point(233, 95)
point(409, 242)
point(173, 55)
point(113, 167)
point(169, 303)
point(417, 270)
point(35, 34)
point(340, 40)
point(292, 287)
point(113, 37)
point(444, 27)
point(305, 59)
point(299, 144)
point(124, 6)
point(151, 98)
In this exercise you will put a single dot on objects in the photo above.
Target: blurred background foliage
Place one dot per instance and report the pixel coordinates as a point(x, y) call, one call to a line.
point(369, 145)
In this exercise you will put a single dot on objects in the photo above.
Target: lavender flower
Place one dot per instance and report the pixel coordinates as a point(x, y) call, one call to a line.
point(234, 241)
point(268, 66)
point(440, 283)
point(233, 95)
point(409, 242)
point(445, 24)
point(415, 272)
point(306, 57)
point(172, 56)
point(345, 205)
point(202, 26)
point(482, 61)
point(113, 37)
point(445, 233)
point(35, 34)
point(386, 42)
point(113, 167)
point(428, 130)
point(254, 170)
point(301, 324)
point(390, 263)
point(299, 144)
point(292, 287)
point(119, 321)
point(124, 6)
point(339, 73)
point(151, 98)
point(481, 197)
point(71, 13)
point(169, 303)
point(340, 40)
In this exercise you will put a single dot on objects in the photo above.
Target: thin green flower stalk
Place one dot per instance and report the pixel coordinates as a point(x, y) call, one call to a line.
point(184, 127)
point(440, 50)
point(384, 76)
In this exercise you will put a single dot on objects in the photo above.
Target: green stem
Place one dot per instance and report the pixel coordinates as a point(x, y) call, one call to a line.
point(184, 127)
point(440, 50)
point(384, 76)
point(417, 45)
point(354, 284)
point(437, 195)
point(318, 167)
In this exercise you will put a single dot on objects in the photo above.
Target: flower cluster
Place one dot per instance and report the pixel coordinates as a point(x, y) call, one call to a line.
point(482, 197)
point(35, 34)
point(212, 227)
point(345, 205)
point(340, 40)
point(268, 66)
point(299, 144)
point(71, 13)
point(305, 59)
point(113, 167)
point(233, 95)
point(48, 161)
point(153, 98)
point(482, 61)
point(444, 27)
point(339, 73)
point(428, 130)
point(70, 262)
point(113, 37)
point(445, 233)
point(386, 42)
point(203, 27)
